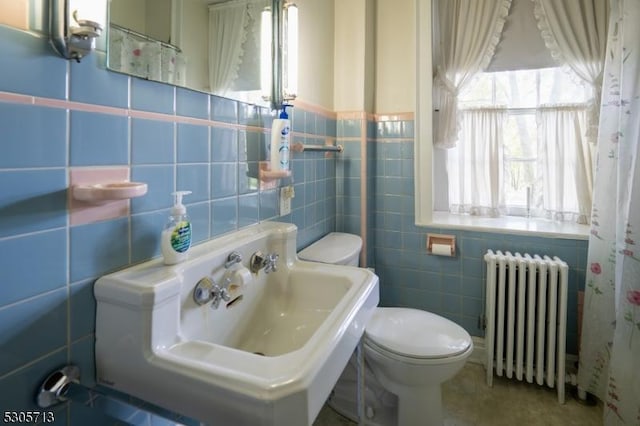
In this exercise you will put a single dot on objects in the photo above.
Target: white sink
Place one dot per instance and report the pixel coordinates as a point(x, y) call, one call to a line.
point(268, 357)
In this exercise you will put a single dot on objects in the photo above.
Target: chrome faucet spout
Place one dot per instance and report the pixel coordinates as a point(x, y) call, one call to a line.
point(267, 262)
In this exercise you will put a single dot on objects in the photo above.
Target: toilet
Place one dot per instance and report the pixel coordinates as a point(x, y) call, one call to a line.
point(408, 354)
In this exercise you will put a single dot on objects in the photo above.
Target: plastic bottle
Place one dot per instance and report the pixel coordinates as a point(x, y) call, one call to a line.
point(176, 235)
point(279, 157)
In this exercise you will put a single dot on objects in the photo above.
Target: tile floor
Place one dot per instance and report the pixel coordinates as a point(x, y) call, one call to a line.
point(469, 402)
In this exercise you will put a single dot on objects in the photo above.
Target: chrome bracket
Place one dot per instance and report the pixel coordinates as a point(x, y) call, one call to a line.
point(54, 388)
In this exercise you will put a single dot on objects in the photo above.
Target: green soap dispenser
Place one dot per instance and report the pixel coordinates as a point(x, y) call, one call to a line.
point(176, 235)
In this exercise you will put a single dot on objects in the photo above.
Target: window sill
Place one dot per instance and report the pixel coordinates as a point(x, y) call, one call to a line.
point(511, 225)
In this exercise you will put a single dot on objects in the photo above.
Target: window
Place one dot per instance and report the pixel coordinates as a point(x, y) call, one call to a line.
point(515, 146)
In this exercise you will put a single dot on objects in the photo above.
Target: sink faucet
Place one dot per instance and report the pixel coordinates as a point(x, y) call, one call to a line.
point(208, 291)
point(271, 263)
point(220, 293)
point(267, 262)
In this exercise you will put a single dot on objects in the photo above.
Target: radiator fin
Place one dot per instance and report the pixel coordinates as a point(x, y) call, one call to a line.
point(526, 316)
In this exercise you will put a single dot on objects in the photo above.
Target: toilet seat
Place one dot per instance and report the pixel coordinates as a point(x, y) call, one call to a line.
point(416, 335)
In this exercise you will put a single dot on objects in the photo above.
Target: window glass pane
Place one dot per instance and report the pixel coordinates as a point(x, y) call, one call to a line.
point(560, 86)
point(522, 92)
point(520, 150)
point(520, 136)
point(479, 92)
point(516, 88)
point(518, 176)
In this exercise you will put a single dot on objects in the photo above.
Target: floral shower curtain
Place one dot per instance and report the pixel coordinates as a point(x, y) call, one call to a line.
point(610, 348)
point(132, 53)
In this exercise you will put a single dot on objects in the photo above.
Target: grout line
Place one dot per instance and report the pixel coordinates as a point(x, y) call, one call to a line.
point(33, 233)
point(32, 298)
point(32, 362)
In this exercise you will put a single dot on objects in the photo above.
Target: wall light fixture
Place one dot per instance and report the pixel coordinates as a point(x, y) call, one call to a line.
point(265, 53)
point(290, 51)
point(279, 53)
point(74, 25)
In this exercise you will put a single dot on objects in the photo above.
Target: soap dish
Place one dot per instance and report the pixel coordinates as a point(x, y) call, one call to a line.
point(267, 175)
point(112, 191)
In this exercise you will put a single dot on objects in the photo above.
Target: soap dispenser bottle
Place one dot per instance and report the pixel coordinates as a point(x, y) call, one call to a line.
point(279, 157)
point(176, 235)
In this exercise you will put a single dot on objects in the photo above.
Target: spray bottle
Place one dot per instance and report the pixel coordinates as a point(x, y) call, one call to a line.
point(176, 235)
point(279, 157)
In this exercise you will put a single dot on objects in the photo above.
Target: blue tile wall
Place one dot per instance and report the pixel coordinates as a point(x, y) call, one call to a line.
point(451, 287)
point(192, 104)
point(32, 200)
point(153, 97)
point(90, 84)
point(98, 139)
point(38, 130)
point(46, 264)
point(193, 143)
point(207, 144)
point(33, 69)
point(152, 142)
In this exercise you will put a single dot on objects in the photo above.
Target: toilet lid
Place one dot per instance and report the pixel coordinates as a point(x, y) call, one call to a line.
point(335, 248)
point(416, 333)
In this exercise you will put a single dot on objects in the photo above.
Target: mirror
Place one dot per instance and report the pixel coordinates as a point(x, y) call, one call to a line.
point(315, 53)
point(208, 45)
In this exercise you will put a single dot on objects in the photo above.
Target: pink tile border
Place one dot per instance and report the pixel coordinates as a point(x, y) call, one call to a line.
point(351, 115)
point(314, 108)
point(16, 98)
point(394, 117)
point(81, 212)
point(363, 192)
point(102, 109)
point(79, 106)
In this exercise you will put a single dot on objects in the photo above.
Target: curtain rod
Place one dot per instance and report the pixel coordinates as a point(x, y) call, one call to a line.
point(144, 36)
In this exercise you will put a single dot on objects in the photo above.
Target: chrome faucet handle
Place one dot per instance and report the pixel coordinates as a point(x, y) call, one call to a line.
point(208, 291)
point(233, 258)
point(260, 261)
point(271, 263)
point(219, 293)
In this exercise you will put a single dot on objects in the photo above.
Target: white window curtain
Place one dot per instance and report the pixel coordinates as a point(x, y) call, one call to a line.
point(575, 31)
point(475, 165)
point(564, 163)
point(466, 35)
point(227, 33)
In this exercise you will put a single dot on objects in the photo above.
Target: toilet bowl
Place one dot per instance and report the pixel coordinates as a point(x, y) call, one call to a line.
point(408, 354)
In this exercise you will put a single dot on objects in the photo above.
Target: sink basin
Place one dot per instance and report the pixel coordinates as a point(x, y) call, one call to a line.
point(270, 355)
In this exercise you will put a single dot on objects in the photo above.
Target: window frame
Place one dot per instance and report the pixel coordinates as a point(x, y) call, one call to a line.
point(423, 153)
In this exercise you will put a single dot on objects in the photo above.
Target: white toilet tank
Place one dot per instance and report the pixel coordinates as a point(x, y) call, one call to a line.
point(340, 248)
point(337, 248)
